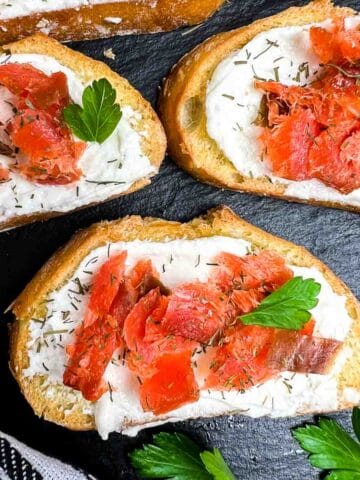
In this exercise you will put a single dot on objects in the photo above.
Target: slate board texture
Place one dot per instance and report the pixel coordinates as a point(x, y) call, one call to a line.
point(256, 449)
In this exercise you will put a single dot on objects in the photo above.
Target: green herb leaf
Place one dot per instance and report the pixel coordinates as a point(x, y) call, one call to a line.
point(343, 475)
point(331, 448)
point(356, 421)
point(215, 464)
point(99, 115)
point(172, 456)
point(288, 307)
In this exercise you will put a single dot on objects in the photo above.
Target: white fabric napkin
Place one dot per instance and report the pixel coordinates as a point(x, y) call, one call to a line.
point(20, 462)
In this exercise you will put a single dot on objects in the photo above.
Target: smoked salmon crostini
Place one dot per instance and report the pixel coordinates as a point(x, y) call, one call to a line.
point(141, 321)
point(273, 108)
point(72, 132)
point(71, 20)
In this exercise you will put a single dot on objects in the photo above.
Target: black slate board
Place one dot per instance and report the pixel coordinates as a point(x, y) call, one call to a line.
point(256, 449)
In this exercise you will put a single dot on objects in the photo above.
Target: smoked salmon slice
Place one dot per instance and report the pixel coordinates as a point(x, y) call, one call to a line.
point(4, 174)
point(337, 43)
point(48, 152)
point(145, 335)
point(172, 386)
point(253, 354)
point(266, 270)
point(162, 362)
point(197, 311)
point(98, 336)
point(312, 130)
point(294, 352)
point(89, 357)
point(112, 297)
point(334, 157)
point(291, 140)
point(35, 89)
point(241, 362)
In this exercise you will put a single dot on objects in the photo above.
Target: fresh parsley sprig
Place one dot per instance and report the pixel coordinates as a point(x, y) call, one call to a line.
point(174, 456)
point(331, 448)
point(99, 115)
point(288, 307)
point(215, 464)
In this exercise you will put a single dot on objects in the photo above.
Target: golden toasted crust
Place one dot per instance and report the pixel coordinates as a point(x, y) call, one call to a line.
point(87, 69)
point(220, 221)
point(108, 19)
point(182, 104)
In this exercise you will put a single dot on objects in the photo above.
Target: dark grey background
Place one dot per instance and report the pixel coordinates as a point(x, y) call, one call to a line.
point(256, 449)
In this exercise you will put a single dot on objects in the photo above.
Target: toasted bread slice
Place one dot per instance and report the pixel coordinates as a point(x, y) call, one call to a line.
point(142, 124)
point(66, 407)
point(183, 106)
point(98, 19)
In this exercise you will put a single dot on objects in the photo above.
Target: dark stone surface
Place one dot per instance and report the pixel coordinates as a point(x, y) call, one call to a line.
point(256, 449)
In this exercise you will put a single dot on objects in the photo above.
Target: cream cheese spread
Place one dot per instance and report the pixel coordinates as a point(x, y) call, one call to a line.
point(177, 262)
point(108, 169)
point(20, 8)
point(232, 102)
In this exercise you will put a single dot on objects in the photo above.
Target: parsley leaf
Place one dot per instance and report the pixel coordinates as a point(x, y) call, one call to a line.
point(99, 115)
point(288, 307)
point(343, 475)
point(173, 456)
point(215, 464)
point(331, 448)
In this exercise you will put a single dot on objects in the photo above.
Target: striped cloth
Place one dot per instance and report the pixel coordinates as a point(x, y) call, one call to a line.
point(20, 462)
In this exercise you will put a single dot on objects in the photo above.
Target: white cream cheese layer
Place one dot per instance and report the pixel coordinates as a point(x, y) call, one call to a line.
point(232, 102)
point(20, 8)
point(108, 169)
point(177, 262)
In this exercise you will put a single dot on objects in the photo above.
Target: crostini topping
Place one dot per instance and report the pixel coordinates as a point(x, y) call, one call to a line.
point(162, 333)
point(240, 362)
point(112, 297)
point(4, 174)
point(172, 385)
point(296, 352)
point(48, 155)
point(41, 142)
point(288, 307)
point(98, 336)
point(336, 44)
point(99, 115)
point(313, 131)
point(33, 88)
point(251, 355)
point(161, 361)
point(265, 271)
point(197, 311)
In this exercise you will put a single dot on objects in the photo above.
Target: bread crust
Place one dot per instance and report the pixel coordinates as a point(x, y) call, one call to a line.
point(97, 21)
point(219, 221)
point(182, 104)
point(88, 69)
